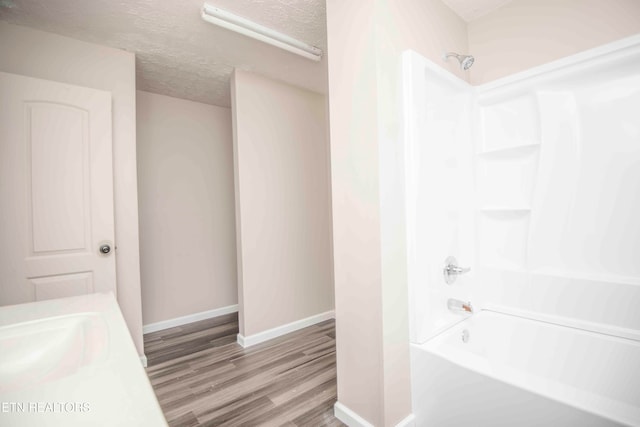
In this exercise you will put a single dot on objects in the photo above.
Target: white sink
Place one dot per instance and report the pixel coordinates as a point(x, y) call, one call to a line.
point(75, 352)
point(44, 350)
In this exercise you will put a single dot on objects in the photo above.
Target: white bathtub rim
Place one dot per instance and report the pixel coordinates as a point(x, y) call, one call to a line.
point(444, 329)
point(599, 405)
point(568, 322)
point(565, 322)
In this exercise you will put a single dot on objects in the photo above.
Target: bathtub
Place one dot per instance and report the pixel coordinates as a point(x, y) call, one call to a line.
point(495, 369)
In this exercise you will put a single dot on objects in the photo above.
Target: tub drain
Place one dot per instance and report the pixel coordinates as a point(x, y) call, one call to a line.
point(465, 336)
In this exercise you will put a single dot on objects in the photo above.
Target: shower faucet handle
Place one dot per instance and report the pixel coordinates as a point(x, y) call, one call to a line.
point(454, 269)
point(451, 270)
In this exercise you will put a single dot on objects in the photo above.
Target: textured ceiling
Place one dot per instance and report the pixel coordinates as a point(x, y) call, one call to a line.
point(472, 9)
point(177, 53)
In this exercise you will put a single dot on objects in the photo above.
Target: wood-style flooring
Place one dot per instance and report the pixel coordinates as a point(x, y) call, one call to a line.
point(202, 377)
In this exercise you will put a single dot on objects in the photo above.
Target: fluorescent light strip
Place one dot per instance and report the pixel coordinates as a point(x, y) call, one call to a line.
point(240, 25)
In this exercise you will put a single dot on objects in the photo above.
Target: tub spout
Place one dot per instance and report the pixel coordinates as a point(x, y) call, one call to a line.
point(459, 306)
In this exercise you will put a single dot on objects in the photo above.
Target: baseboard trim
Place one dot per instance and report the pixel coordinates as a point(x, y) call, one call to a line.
point(349, 417)
point(409, 421)
point(269, 334)
point(241, 341)
point(143, 360)
point(352, 419)
point(179, 321)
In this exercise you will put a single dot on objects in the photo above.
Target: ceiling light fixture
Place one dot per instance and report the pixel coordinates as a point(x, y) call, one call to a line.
point(238, 24)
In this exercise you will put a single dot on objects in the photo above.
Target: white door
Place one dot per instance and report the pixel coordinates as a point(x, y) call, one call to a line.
point(56, 190)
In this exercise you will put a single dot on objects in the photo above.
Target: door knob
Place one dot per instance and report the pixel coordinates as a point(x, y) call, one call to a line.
point(105, 249)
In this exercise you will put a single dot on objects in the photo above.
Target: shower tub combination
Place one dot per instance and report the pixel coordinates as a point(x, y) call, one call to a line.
point(537, 177)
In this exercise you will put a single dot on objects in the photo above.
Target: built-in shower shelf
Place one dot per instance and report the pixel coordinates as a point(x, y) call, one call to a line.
point(511, 151)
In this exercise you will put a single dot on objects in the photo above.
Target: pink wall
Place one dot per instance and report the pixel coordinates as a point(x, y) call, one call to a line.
point(429, 27)
point(282, 203)
point(186, 202)
point(356, 216)
point(366, 39)
point(526, 33)
point(52, 57)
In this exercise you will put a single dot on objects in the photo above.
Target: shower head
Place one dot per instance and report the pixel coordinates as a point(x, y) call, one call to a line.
point(466, 61)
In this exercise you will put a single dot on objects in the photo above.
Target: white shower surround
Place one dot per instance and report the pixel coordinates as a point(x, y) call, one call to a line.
point(533, 181)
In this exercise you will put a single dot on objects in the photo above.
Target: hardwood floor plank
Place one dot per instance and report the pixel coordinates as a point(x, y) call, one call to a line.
point(233, 388)
point(236, 412)
point(183, 336)
point(283, 396)
point(297, 406)
point(192, 327)
point(186, 420)
point(173, 351)
point(320, 415)
point(189, 377)
point(202, 377)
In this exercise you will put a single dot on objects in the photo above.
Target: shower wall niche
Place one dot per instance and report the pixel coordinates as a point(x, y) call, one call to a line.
point(553, 190)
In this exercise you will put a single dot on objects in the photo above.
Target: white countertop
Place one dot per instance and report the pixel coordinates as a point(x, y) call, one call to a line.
point(71, 362)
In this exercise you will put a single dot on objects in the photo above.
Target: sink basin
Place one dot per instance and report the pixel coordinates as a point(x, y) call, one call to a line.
point(73, 350)
point(44, 350)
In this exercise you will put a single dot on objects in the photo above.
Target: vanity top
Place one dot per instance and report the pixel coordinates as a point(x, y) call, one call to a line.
point(71, 362)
